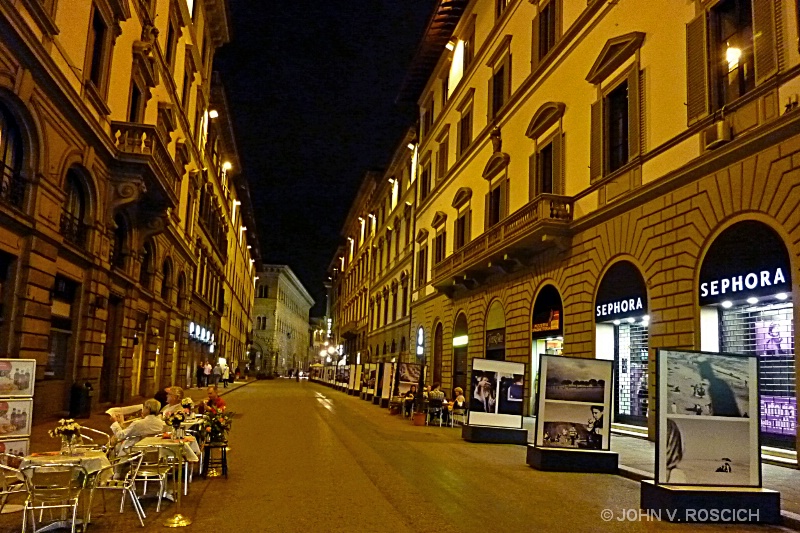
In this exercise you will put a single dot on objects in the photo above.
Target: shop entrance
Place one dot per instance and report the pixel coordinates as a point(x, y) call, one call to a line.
point(547, 333)
point(621, 335)
point(460, 346)
point(746, 307)
point(496, 332)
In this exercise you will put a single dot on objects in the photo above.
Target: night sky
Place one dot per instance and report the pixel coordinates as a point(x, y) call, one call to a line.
point(312, 87)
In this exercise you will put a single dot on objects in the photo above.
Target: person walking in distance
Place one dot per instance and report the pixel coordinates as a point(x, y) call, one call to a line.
point(217, 374)
point(226, 374)
point(207, 374)
point(200, 373)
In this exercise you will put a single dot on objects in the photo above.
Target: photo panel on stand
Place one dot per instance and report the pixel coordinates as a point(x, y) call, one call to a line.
point(15, 417)
point(708, 419)
point(574, 401)
point(497, 390)
point(17, 377)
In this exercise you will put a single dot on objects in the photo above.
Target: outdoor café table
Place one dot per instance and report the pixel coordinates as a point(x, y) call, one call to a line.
point(185, 449)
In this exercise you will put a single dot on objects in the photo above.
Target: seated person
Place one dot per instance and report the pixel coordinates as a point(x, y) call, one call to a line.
point(161, 396)
point(149, 424)
point(174, 398)
point(408, 400)
point(214, 402)
point(436, 395)
point(459, 401)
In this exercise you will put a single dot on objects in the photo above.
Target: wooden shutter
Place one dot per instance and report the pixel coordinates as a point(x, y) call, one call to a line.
point(491, 97)
point(764, 40)
point(533, 188)
point(596, 154)
point(696, 69)
point(503, 199)
point(558, 164)
point(486, 211)
point(634, 114)
point(468, 231)
point(535, 43)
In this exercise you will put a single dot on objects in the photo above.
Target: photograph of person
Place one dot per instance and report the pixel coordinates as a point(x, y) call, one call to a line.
point(484, 391)
point(700, 451)
point(578, 380)
point(708, 385)
point(512, 393)
point(573, 425)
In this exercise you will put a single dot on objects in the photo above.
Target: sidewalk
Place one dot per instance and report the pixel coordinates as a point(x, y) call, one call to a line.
point(42, 442)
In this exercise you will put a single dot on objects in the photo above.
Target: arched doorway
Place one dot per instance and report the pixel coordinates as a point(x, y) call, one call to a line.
point(460, 347)
point(547, 331)
point(621, 334)
point(496, 332)
point(437, 353)
point(745, 299)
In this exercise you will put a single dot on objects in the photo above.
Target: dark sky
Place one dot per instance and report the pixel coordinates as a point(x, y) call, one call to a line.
point(312, 86)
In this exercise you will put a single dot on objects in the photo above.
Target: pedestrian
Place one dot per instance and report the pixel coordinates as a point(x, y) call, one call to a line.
point(226, 374)
point(207, 374)
point(238, 372)
point(217, 374)
point(200, 372)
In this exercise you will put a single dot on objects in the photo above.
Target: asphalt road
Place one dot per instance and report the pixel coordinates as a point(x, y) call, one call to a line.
point(306, 458)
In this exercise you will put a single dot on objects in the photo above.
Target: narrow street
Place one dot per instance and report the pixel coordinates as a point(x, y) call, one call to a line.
point(307, 458)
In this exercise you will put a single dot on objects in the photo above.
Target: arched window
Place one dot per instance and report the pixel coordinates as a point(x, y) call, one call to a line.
point(402, 344)
point(166, 283)
point(12, 187)
point(181, 290)
point(263, 291)
point(72, 218)
point(146, 272)
point(120, 242)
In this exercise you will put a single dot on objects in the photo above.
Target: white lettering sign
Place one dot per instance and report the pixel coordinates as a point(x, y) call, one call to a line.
point(622, 306)
point(749, 281)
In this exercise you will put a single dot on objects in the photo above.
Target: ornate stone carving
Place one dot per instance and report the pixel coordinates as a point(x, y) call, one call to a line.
point(123, 192)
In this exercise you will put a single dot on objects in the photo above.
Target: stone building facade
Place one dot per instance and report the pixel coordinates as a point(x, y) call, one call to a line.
point(627, 179)
point(108, 139)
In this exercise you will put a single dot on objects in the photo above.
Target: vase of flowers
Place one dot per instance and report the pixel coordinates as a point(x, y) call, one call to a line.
point(216, 424)
point(188, 406)
point(70, 433)
point(175, 419)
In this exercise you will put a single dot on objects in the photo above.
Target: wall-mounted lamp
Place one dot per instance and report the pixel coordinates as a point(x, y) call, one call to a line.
point(451, 44)
point(391, 180)
point(213, 113)
point(411, 146)
point(227, 165)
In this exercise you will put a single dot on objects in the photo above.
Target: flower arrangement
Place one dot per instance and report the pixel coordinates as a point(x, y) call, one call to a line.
point(216, 424)
point(175, 419)
point(188, 405)
point(66, 428)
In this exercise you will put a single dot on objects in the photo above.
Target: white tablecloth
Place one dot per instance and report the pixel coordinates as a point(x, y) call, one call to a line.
point(188, 447)
point(93, 461)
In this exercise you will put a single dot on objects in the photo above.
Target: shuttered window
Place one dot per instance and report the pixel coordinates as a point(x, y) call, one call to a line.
point(500, 86)
point(546, 168)
point(496, 203)
point(616, 127)
point(465, 131)
point(462, 229)
point(546, 31)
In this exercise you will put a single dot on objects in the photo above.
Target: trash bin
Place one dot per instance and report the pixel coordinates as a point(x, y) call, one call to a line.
point(80, 401)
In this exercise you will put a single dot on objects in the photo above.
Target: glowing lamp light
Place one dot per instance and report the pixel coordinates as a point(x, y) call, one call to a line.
point(631, 320)
point(752, 300)
point(227, 165)
point(411, 146)
point(732, 56)
point(461, 340)
point(616, 322)
point(727, 304)
point(213, 113)
point(781, 296)
point(450, 45)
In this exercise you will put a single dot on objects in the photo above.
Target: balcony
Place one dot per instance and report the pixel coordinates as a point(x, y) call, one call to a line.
point(12, 188)
point(141, 144)
point(541, 224)
point(73, 230)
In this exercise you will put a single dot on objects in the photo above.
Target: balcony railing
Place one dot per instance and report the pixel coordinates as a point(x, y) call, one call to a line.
point(544, 213)
point(73, 230)
point(143, 140)
point(12, 188)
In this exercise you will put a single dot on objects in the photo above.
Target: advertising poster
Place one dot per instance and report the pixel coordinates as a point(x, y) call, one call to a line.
point(574, 400)
point(15, 417)
point(708, 419)
point(775, 348)
point(355, 377)
point(371, 377)
point(386, 383)
point(17, 377)
point(352, 378)
point(497, 392)
point(408, 374)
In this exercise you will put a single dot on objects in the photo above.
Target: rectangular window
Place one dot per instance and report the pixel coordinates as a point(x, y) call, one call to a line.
point(171, 45)
point(426, 121)
point(440, 247)
point(732, 26)
point(616, 105)
point(547, 28)
point(441, 160)
point(135, 108)
point(425, 182)
point(187, 87)
point(494, 206)
point(546, 169)
point(462, 230)
point(97, 45)
point(500, 8)
point(405, 300)
point(464, 131)
point(422, 267)
point(445, 89)
point(469, 49)
point(394, 305)
point(498, 90)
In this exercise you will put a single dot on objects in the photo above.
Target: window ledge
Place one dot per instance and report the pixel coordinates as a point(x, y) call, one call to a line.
point(95, 99)
point(42, 18)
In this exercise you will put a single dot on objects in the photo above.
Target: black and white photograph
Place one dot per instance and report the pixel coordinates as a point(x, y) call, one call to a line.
point(15, 417)
point(409, 372)
point(708, 384)
point(577, 380)
point(17, 377)
point(511, 395)
point(484, 391)
point(573, 425)
point(702, 451)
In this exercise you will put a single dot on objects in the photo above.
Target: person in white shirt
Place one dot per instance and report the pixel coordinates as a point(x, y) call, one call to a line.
point(149, 424)
point(226, 374)
point(174, 398)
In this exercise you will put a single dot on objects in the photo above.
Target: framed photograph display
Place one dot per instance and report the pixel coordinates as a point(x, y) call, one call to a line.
point(355, 378)
point(574, 401)
point(17, 377)
point(386, 384)
point(352, 377)
point(17, 447)
point(15, 418)
point(408, 374)
point(707, 431)
point(496, 393)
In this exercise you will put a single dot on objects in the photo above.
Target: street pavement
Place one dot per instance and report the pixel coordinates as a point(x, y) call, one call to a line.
point(307, 458)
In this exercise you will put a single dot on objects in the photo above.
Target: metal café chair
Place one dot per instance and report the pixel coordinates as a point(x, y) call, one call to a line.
point(94, 439)
point(10, 478)
point(52, 486)
point(435, 409)
point(120, 475)
point(156, 465)
point(461, 413)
